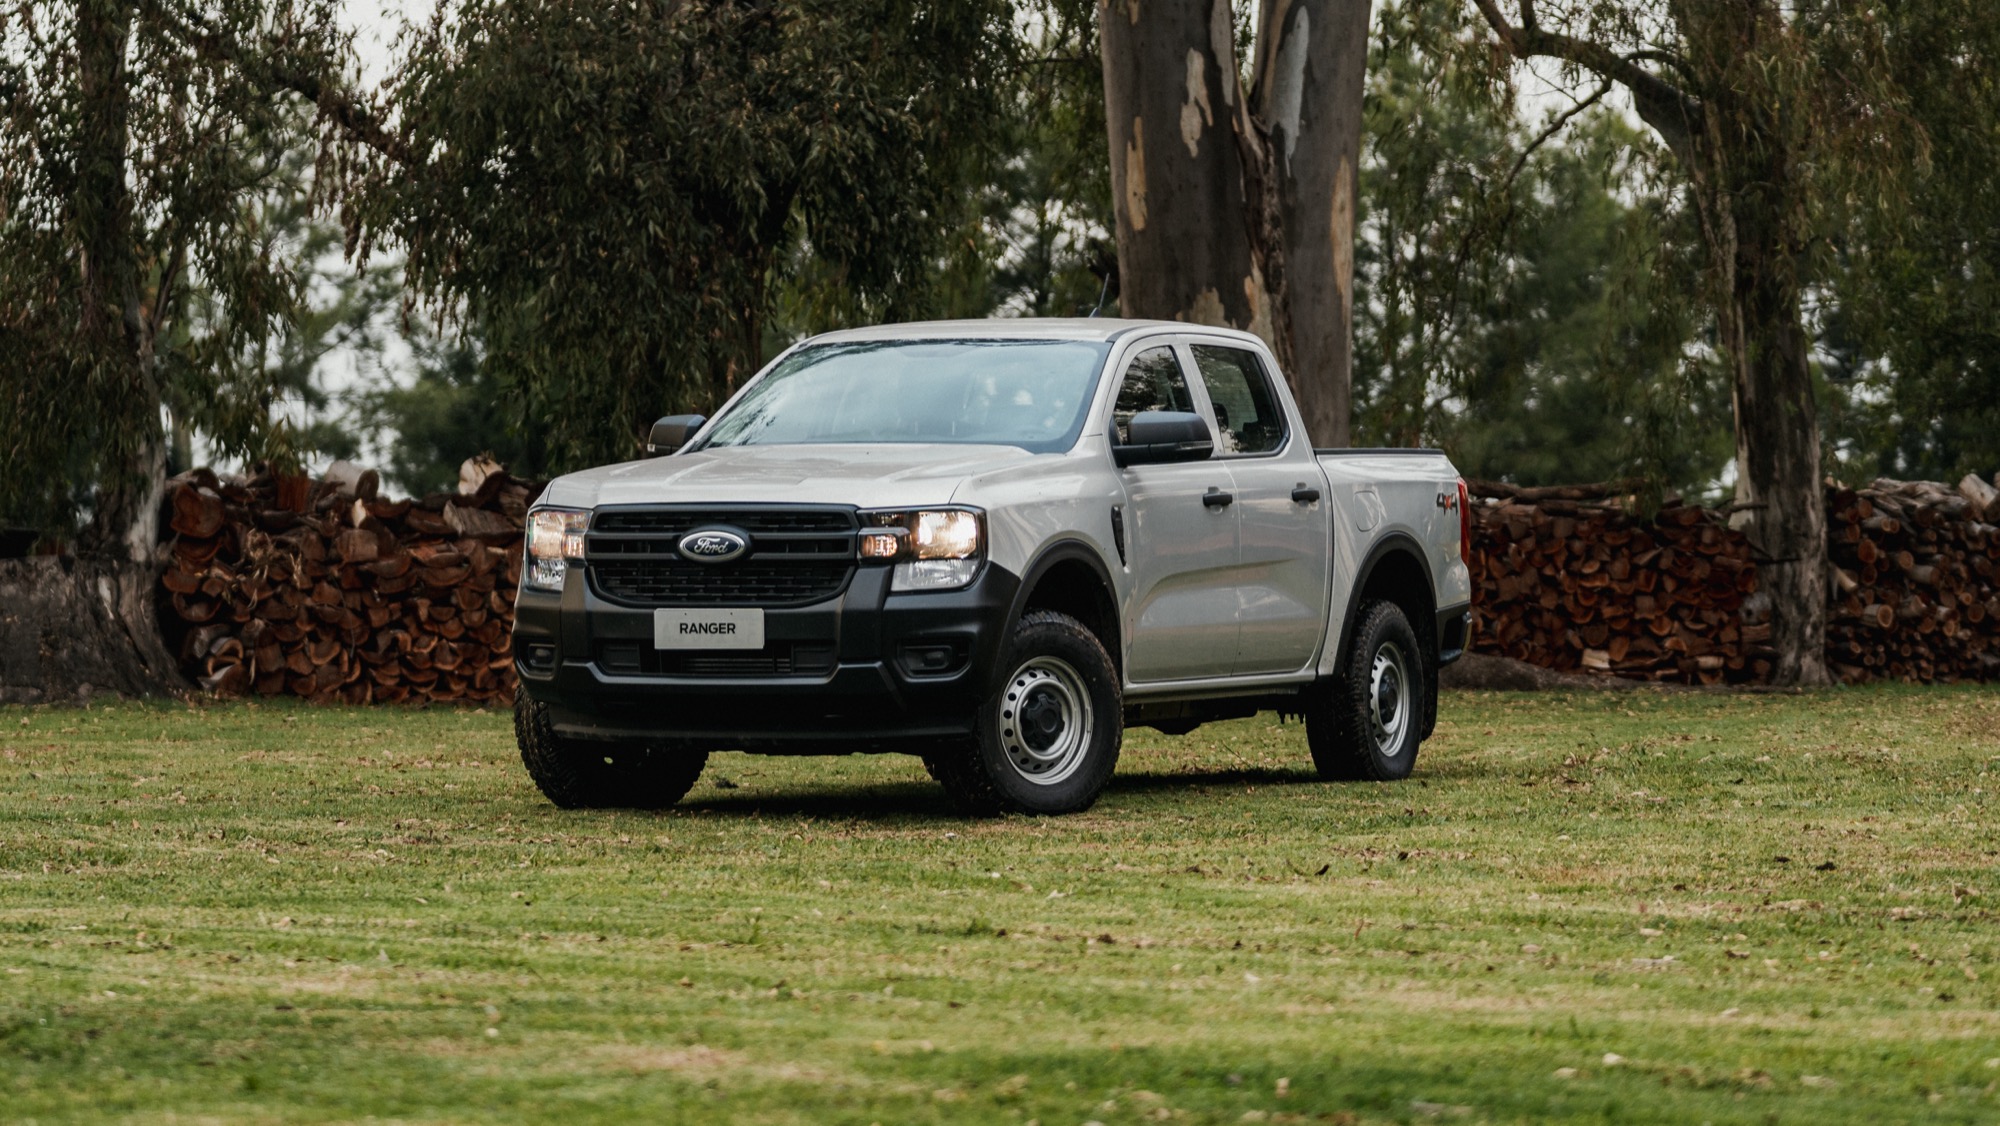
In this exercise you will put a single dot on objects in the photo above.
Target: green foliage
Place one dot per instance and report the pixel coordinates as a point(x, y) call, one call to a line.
point(1913, 309)
point(1032, 236)
point(1522, 294)
point(1047, 219)
point(280, 382)
point(132, 158)
point(611, 192)
point(453, 409)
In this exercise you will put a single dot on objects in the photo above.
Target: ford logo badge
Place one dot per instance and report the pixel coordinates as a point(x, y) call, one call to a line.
point(712, 545)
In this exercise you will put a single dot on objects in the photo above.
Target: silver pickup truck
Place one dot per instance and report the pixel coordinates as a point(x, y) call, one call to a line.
point(994, 544)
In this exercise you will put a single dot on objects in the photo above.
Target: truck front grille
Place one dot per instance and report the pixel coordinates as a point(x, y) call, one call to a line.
point(749, 582)
point(676, 521)
point(797, 556)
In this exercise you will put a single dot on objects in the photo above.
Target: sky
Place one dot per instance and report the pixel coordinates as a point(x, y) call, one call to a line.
point(375, 24)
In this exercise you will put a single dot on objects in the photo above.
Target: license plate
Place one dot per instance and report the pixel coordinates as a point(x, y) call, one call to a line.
point(708, 629)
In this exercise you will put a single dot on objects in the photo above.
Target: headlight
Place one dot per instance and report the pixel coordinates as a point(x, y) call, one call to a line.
point(555, 540)
point(936, 549)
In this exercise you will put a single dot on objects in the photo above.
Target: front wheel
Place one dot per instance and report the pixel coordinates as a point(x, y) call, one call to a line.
point(590, 774)
point(1364, 723)
point(1048, 738)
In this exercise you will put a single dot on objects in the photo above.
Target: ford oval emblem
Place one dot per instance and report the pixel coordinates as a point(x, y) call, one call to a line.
point(712, 545)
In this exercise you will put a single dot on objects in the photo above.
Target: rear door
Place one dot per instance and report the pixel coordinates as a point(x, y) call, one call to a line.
point(1284, 530)
point(1180, 548)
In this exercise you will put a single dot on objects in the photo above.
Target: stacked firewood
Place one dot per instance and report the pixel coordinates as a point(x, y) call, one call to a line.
point(282, 585)
point(1916, 581)
point(324, 589)
point(1570, 579)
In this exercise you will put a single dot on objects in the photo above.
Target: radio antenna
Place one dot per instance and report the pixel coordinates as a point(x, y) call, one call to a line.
point(1101, 291)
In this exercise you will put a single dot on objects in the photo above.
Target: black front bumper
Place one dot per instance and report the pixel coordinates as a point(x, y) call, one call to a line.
point(861, 669)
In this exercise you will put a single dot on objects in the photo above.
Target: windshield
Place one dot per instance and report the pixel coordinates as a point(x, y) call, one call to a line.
point(1026, 393)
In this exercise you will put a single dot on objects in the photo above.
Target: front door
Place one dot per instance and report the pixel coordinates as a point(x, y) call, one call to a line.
point(1180, 542)
point(1285, 531)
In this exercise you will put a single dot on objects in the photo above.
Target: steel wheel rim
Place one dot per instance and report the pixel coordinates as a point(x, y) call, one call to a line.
point(1045, 720)
point(1389, 698)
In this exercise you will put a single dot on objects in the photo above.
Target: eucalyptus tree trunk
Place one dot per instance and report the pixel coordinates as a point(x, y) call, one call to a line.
point(1236, 207)
point(71, 628)
point(1738, 100)
point(1747, 182)
point(1311, 57)
point(1778, 483)
point(1170, 89)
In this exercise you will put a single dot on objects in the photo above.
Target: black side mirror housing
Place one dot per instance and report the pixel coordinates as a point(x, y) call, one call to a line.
point(1153, 437)
point(672, 432)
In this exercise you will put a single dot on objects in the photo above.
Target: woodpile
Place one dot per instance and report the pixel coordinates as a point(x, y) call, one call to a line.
point(325, 590)
point(1916, 581)
point(1570, 579)
point(282, 585)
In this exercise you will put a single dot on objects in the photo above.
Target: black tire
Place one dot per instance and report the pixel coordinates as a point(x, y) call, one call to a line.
point(1351, 740)
point(1048, 738)
point(590, 774)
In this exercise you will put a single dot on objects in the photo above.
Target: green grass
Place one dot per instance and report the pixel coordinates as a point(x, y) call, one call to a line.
point(1626, 907)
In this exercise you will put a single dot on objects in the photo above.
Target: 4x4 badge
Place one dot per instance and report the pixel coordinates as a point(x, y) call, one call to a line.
point(712, 545)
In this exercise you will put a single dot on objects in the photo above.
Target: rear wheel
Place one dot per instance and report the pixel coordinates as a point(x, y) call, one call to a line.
point(1365, 722)
point(591, 774)
point(1048, 738)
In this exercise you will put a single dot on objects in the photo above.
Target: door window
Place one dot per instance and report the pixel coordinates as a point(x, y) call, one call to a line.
point(1153, 382)
point(1247, 417)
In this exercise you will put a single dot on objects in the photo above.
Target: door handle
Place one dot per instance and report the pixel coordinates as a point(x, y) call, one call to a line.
point(1305, 494)
point(1216, 498)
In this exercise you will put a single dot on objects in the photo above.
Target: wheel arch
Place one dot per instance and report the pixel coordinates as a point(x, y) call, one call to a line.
point(1069, 577)
point(1396, 571)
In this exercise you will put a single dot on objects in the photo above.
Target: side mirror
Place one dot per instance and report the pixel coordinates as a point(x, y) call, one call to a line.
point(673, 432)
point(1160, 436)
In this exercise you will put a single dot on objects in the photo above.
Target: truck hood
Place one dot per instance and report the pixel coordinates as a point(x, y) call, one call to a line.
point(867, 476)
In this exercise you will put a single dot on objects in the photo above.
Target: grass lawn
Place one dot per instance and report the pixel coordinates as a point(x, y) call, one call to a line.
point(1629, 907)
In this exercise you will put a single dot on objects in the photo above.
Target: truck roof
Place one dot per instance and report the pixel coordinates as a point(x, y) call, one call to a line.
point(1020, 328)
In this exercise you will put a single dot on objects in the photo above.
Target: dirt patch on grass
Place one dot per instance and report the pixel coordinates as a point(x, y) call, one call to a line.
point(693, 1060)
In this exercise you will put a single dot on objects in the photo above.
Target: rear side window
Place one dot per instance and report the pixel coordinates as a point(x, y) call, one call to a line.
point(1153, 382)
point(1246, 412)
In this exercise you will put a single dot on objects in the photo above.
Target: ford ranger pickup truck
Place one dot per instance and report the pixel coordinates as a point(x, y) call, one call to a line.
point(994, 544)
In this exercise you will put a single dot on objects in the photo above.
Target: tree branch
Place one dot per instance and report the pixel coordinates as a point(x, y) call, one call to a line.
point(271, 68)
point(1505, 191)
point(1554, 127)
point(1671, 112)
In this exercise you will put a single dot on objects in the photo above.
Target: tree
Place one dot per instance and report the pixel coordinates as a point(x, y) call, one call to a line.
point(279, 383)
point(1034, 236)
point(133, 137)
point(1913, 305)
point(1047, 247)
point(615, 192)
point(1766, 109)
point(1521, 285)
point(1236, 205)
point(454, 409)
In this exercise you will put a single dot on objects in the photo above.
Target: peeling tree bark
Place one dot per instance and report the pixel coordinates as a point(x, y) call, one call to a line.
point(1236, 207)
point(1307, 90)
point(1169, 89)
